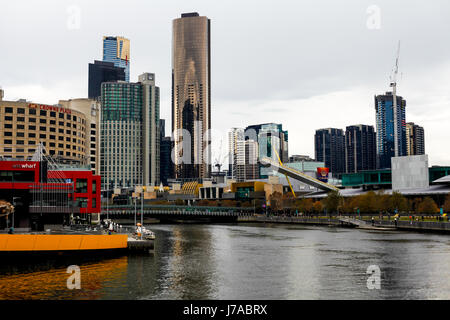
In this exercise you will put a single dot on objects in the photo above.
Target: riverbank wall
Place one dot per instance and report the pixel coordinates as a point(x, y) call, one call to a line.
point(420, 226)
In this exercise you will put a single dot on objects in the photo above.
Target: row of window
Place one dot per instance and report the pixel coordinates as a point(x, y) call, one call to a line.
point(45, 114)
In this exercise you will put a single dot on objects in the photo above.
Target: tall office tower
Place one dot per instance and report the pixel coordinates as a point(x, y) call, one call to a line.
point(166, 165)
point(330, 148)
point(415, 139)
point(251, 160)
point(386, 145)
point(117, 51)
point(236, 153)
point(191, 96)
point(99, 72)
point(360, 148)
point(130, 133)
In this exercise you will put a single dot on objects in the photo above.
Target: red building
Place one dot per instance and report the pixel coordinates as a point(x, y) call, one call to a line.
point(42, 196)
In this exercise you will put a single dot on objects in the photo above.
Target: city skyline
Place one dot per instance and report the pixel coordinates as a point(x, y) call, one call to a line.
point(301, 87)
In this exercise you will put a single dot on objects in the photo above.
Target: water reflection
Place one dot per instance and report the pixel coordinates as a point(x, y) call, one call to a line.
point(255, 262)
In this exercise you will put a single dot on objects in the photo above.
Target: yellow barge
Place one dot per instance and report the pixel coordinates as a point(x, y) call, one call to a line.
point(61, 243)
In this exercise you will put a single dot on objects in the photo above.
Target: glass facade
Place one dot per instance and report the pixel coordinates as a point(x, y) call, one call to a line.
point(191, 95)
point(360, 148)
point(129, 146)
point(329, 146)
point(117, 51)
point(385, 128)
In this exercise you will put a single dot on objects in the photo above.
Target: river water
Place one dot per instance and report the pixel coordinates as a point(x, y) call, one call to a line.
point(255, 261)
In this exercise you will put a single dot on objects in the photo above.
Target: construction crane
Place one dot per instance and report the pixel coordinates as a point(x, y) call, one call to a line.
point(393, 84)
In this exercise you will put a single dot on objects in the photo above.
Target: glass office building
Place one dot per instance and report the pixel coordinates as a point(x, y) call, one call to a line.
point(329, 146)
point(384, 112)
point(130, 135)
point(117, 51)
point(191, 96)
point(99, 72)
point(360, 148)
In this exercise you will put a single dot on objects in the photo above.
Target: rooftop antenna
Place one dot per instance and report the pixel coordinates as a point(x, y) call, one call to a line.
point(393, 84)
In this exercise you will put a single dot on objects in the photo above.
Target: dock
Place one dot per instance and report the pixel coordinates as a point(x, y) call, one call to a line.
point(138, 245)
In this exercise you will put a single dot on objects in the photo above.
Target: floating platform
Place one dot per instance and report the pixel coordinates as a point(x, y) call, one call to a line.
point(144, 246)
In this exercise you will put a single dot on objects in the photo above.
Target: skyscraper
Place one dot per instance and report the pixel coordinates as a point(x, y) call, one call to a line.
point(360, 148)
point(386, 145)
point(117, 51)
point(330, 148)
point(415, 139)
point(236, 153)
point(99, 72)
point(166, 165)
point(270, 137)
point(191, 96)
point(130, 133)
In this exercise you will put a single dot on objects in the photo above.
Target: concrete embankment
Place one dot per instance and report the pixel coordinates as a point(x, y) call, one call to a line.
point(420, 226)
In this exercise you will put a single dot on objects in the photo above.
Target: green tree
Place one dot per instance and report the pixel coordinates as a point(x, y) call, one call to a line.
point(333, 201)
point(399, 202)
point(318, 207)
point(428, 206)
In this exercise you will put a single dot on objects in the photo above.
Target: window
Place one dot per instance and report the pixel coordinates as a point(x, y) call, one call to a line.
point(61, 116)
point(31, 135)
point(43, 128)
point(8, 141)
point(94, 186)
point(31, 119)
point(21, 110)
point(60, 130)
point(52, 130)
point(68, 117)
point(53, 114)
point(81, 186)
point(7, 149)
point(8, 126)
point(19, 134)
point(53, 122)
point(61, 123)
point(8, 118)
point(20, 126)
point(31, 127)
point(31, 111)
point(20, 142)
point(23, 176)
point(42, 121)
point(94, 203)
point(8, 110)
point(20, 150)
point(68, 131)
point(43, 136)
point(21, 119)
point(82, 202)
point(52, 144)
point(8, 134)
point(52, 137)
point(43, 113)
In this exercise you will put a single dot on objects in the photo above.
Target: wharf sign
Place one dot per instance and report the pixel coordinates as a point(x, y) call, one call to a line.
point(47, 107)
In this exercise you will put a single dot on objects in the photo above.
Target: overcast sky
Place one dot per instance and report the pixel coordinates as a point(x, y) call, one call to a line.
point(305, 64)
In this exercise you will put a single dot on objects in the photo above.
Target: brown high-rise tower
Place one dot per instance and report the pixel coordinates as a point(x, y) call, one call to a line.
point(191, 96)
